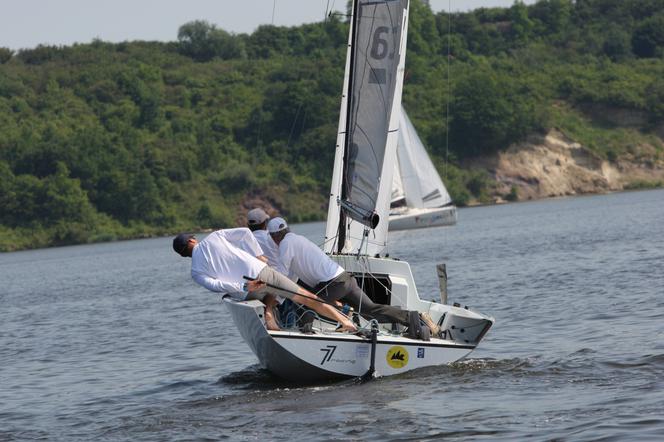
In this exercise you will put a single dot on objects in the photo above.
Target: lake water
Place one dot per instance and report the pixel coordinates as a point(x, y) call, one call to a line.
point(115, 341)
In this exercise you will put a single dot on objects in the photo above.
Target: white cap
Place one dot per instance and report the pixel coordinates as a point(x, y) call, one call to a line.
point(257, 216)
point(276, 225)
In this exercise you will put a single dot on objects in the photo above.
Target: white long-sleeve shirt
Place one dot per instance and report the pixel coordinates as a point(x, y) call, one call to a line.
point(303, 259)
point(220, 261)
point(270, 250)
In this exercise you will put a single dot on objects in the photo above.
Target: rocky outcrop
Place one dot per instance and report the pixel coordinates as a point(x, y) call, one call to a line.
point(256, 199)
point(553, 165)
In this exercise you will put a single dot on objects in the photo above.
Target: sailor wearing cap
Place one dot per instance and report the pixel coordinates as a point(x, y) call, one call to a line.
point(257, 222)
point(222, 260)
point(303, 259)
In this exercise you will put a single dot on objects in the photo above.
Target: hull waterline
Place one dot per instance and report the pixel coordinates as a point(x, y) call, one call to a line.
point(327, 355)
point(412, 218)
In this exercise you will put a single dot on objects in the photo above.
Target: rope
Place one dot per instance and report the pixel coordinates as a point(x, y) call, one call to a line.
point(290, 135)
point(334, 238)
point(366, 247)
point(368, 325)
point(327, 8)
point(295, 293)
point(447, 101)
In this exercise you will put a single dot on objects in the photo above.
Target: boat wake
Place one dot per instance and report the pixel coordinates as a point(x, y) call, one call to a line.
point(252, 377)
point(580, 364)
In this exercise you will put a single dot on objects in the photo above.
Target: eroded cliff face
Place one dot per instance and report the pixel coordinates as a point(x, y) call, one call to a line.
point(553, 165)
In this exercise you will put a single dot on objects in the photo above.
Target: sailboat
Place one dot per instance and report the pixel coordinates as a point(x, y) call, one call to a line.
point(357, 226)
point(419, 197)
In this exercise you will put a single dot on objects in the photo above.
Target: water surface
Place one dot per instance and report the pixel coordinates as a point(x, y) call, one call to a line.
point(115, 341)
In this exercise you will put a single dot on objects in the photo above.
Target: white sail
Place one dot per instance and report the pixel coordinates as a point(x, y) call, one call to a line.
point(358, 210)
point(333, 209)
point(420, 180)
point(398, 194)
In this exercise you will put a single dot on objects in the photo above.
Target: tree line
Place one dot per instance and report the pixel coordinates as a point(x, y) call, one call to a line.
point(113, 140)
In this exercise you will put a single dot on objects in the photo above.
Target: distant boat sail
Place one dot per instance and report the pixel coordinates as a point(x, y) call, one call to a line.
point(419, 197)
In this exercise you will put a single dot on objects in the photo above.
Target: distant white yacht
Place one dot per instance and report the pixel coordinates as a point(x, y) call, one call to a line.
point(419, 197)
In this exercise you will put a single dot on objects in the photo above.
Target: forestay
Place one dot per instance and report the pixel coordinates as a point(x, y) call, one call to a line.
point(368, 128)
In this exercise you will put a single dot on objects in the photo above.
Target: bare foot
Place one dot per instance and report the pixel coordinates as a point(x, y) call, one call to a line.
point(270, 321)
point(272, 325)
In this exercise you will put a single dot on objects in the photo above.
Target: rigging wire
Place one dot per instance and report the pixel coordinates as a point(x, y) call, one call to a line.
point(359, 250)
point(447, 98)
point(274, 7)
point(290, 136)
point(327, 8)
point(447, 104)
point(260, 114)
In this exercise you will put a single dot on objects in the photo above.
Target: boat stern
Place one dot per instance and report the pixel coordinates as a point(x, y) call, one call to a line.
point(464, 326)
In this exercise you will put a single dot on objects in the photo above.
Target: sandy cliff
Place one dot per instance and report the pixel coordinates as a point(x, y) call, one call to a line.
point(554, 165)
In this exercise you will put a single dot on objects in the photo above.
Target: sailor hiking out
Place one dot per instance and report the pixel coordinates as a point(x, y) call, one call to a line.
point(224, 258)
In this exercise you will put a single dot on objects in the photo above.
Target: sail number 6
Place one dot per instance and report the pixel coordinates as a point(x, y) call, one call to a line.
point(379, 47)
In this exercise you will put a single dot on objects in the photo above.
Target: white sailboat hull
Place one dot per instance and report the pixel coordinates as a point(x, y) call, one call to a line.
point(360, 194)
point(415, 218)
point(328, 355)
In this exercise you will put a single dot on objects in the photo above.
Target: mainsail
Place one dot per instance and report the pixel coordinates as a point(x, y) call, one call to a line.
point(368, 128)
point(418, 181)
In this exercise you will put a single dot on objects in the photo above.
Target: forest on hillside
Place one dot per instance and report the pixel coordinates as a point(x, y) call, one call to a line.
point(103, 141)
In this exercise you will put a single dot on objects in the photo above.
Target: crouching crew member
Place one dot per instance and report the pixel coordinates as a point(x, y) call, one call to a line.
point(303, 259)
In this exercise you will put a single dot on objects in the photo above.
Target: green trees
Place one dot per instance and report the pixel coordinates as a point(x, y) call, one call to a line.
point(29, 200)
point(202, 41)
point(521, 25)
point(5, 55)
point(655, 100)
point(102, 140)
point(555, 15)
point(143, 84)
point(617, 45)
point(648, 38)
point(491, 111)
point(423, 36)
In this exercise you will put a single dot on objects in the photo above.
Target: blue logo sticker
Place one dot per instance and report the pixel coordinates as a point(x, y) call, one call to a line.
point(362, 351)
point(420, 353)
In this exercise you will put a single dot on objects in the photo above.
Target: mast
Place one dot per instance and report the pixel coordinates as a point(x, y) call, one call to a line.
point(368, 128)
point(342, 215)
point(334, 214)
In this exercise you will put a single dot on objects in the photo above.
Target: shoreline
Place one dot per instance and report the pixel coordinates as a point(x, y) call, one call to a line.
point(469, 206)
point(501, 202)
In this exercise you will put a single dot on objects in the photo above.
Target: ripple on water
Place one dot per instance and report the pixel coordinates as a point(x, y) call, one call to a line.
point(123, 346)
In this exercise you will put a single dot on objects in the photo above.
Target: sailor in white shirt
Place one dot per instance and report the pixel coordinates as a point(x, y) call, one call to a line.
point(257, 222)
point(303, 259)
point(220, 262)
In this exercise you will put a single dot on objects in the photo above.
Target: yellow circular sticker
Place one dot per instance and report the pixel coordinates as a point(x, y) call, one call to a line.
point(397, 357)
